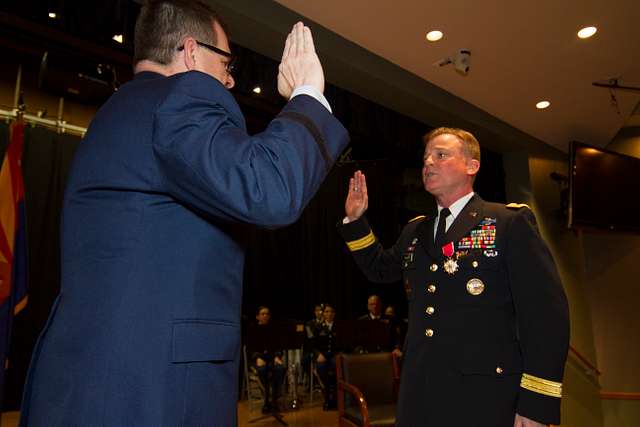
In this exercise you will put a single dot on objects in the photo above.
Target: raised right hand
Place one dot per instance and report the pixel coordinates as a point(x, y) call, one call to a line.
point(357, 200)
point(300, 64)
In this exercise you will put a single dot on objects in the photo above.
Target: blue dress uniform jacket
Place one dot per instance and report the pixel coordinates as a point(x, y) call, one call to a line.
point(486, 341)
point(146, 329)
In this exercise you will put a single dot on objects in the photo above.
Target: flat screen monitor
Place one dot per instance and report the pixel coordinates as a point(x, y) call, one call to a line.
point(604, 189)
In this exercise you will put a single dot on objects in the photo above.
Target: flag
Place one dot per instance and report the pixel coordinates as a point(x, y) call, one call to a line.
point(13, 248)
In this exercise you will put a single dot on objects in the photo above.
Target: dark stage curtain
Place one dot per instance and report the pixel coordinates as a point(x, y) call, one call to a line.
point(46, 159)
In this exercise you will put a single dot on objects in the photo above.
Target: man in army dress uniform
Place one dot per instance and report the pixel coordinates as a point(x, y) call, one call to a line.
point(488, 317)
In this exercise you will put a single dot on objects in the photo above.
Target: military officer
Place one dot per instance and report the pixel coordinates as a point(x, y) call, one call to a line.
point(325, 350)
point(488, 317)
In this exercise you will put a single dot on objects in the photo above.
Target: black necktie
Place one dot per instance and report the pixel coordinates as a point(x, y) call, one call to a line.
point(442, 227)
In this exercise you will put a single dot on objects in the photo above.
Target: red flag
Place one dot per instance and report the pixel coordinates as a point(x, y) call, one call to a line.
point(12, 216)
point(13, 249)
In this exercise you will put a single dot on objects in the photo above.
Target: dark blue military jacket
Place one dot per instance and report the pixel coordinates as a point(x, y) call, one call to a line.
point(146, 329)
point(488, 317)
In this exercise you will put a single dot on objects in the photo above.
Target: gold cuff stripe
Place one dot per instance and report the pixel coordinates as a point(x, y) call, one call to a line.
point(540, 385)
point(366, 241)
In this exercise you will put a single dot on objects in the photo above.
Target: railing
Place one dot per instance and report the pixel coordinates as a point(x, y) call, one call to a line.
point(56, 124)
point(589, 368)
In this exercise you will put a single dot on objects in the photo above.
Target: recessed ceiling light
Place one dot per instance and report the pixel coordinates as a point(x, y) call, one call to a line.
point(587, 32)
point(257, 90)
point(542, 105)
point(52, 15)
point(119, 38)
point(434, 36)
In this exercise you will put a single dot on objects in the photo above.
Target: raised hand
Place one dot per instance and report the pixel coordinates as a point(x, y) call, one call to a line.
point(357, 200)
point(300, 64)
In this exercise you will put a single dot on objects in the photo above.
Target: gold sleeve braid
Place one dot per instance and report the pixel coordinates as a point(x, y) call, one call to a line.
point(366, 241)
point(540, 385)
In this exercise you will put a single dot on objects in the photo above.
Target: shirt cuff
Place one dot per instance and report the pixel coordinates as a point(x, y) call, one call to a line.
point(312, 92)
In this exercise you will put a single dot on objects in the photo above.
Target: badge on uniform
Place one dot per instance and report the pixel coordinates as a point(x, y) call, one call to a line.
point(475, 286)
point(450, 264)
point(408, 256)
point(481, 237)
point(407, 259)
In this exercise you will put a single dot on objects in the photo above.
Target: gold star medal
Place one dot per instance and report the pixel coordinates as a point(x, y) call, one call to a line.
point(450, 264)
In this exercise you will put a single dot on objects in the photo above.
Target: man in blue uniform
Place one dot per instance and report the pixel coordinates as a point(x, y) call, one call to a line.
point(488, 318)
point(146, 329)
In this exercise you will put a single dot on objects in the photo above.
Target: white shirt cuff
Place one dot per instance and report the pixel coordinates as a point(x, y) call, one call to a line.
point(312, 92)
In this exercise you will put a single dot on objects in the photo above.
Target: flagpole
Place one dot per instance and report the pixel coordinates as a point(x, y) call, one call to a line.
point(16, 93)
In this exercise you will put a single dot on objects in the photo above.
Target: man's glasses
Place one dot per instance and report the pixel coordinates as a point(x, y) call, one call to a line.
point(229, 66)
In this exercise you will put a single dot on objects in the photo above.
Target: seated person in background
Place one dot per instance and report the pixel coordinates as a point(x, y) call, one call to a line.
point(267, 363)
point(378, 332)
point(310, 329)
point(324, 350)
point(374, 305)
point(317, 320)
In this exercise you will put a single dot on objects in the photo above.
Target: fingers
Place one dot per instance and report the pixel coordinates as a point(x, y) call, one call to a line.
point(300, 64)
point(353, 183)
point(300, 35)
point(308, 41)
point(358, 185)
point(359, 182)
point(295, 39)
point(287, 47)
point(363, 184)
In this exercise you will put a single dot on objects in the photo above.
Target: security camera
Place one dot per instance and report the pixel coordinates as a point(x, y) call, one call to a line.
point(461, 61)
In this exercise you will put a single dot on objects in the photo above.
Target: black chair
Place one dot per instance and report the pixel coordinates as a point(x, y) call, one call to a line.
point(367, 389)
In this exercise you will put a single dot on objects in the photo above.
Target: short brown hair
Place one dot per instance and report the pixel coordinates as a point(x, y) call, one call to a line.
point(470, 145)
point(163, 25)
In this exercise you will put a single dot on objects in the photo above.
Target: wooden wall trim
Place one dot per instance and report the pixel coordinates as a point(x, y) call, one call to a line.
point(619, 395)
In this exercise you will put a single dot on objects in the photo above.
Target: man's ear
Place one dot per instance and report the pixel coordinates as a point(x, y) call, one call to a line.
point(473, 166)
point(189, 53)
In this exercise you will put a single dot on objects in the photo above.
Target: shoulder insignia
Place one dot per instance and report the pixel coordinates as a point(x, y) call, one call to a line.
point(517, 206)
point(419, 217)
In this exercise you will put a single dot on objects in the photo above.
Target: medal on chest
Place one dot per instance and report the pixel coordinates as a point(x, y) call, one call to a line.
point(450, 264)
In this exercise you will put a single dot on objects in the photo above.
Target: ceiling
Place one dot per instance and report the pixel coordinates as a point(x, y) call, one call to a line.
point(521, 53)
